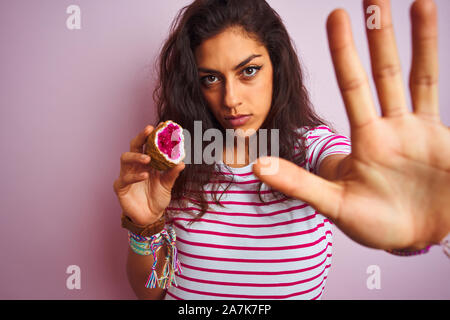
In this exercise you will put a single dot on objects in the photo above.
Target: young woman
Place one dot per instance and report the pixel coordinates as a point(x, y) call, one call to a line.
point(243, 232)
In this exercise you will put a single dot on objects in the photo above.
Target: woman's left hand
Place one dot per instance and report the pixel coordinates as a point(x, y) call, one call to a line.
point(393, 190)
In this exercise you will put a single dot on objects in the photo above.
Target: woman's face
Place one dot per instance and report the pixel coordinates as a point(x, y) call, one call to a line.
point(236, 79)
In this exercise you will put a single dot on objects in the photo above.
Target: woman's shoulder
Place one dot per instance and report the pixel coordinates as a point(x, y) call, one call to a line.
point(308, 130)
point(307, 134)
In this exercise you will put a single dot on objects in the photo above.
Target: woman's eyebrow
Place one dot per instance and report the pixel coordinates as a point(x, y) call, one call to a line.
point(243, 63)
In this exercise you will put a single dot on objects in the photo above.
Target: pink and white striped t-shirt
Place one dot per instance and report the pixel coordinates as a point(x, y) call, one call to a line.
point(280, 249)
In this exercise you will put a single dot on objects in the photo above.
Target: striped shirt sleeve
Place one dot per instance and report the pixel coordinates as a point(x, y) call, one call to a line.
point(321, 142)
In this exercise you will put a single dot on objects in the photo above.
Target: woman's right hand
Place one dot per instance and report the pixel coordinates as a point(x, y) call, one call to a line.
point(143, 192)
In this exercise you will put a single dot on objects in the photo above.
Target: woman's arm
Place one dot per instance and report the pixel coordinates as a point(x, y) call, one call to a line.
point(392, 191)
point(138, 271)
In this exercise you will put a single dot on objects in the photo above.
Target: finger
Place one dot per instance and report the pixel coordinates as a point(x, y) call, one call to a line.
point(131, 178)
point(125, 180)
point(133, 162)
point(129, 158)
point(138, 142)
point(169, 176)
point(294, 181)
point(386, 68)
point(350, 74)
point(423, 81)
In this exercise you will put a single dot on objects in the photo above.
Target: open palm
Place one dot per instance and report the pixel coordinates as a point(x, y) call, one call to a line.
point(393, 190)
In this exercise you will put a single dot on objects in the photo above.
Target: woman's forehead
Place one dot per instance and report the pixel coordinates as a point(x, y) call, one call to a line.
point(228, 48)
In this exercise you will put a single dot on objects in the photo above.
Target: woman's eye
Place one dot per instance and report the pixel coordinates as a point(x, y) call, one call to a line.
point(253, 71)
point(208, 80)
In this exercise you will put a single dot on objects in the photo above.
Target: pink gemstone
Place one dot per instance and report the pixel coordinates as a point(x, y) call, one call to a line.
point(165, 143)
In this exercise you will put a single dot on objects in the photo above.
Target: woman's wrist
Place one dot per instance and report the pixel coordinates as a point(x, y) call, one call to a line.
point(147, 220)
point(145, 229)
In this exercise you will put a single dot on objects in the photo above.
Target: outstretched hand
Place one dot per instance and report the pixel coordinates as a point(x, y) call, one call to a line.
point(393, 190)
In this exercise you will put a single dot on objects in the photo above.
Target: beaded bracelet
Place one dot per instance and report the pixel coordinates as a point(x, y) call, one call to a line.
point(150, 246)
point(445, 244)
point(407, 253)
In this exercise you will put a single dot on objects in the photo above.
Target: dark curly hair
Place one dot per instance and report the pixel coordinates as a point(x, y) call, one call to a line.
point(178, 93)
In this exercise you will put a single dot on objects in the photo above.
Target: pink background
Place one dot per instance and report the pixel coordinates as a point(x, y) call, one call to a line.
point(71, 101)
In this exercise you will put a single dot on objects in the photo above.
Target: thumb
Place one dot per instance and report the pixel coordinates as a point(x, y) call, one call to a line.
point(296, 182)
point(169, 176)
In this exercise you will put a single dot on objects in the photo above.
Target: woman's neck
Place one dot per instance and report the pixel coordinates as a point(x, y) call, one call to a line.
point(238, 158)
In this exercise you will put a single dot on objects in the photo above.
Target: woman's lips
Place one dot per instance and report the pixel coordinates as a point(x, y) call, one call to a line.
point(239, 121)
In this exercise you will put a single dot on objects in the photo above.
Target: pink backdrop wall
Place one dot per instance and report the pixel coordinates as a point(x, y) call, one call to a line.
point(71, 101)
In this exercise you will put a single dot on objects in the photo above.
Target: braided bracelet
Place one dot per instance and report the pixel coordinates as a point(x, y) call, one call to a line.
point(150, 246)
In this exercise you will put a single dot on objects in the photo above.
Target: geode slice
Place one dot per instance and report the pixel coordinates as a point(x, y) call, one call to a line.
point(165, 145)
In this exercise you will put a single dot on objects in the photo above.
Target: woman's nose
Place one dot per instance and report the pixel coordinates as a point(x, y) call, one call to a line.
point(231, 96)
